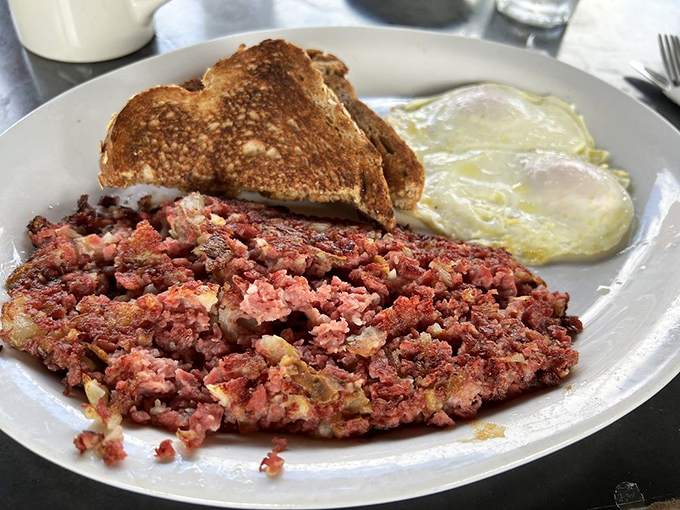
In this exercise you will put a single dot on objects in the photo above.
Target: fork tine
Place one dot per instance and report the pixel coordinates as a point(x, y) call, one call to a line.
point(665, 58)
point(672, 60)
point(676, 53)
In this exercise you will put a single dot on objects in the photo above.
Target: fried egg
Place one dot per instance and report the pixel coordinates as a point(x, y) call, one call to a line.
point(494, 117)
point(512, 169)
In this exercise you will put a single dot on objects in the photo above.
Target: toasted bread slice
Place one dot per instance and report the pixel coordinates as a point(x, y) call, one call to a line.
point(403, 172)
point(263, 121)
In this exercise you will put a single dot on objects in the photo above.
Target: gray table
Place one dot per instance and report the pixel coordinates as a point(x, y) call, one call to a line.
point(643, 448)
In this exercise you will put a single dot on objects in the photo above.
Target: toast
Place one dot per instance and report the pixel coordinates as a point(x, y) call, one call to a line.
point(403, 172)
point(263, 121)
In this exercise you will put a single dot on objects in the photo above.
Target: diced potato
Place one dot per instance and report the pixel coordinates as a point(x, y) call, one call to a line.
point(18, 323)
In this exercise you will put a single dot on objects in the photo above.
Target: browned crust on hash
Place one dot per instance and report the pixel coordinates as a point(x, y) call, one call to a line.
point(403, 172)
point(264, 121)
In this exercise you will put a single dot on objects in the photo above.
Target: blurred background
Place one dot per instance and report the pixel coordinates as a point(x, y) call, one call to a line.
point(601, 38)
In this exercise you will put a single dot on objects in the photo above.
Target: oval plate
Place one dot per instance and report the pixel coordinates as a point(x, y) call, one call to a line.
point(628, 302)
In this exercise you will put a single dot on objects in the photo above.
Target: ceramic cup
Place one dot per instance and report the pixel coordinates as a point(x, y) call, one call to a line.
point(84, 30)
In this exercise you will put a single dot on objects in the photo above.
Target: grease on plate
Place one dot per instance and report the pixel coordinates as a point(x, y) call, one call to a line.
point(485, 430)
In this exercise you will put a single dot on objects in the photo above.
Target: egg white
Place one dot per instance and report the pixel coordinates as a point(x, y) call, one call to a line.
point(538, 206)
point(494, 117)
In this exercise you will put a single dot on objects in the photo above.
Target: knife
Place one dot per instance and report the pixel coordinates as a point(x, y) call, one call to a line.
point(658, 79)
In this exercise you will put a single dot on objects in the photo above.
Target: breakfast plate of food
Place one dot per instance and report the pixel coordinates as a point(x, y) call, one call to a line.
point(377, 262)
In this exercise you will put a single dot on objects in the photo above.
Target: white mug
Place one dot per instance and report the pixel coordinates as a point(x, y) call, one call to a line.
point(84, 30)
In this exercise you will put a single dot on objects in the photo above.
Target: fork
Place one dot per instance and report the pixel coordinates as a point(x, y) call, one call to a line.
point(670, 53)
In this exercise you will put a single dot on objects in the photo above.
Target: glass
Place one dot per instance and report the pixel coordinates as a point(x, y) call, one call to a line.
point(540, 13)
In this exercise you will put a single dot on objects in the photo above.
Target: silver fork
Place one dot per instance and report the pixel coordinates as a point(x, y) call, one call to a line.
point(670, 53)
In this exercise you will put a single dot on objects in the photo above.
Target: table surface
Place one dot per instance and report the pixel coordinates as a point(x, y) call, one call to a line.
point(642, 448)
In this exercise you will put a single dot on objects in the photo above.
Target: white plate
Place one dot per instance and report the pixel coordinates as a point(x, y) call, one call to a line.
point(628, 302)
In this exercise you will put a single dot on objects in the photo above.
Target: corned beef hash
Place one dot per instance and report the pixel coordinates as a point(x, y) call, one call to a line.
point(205, 315)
